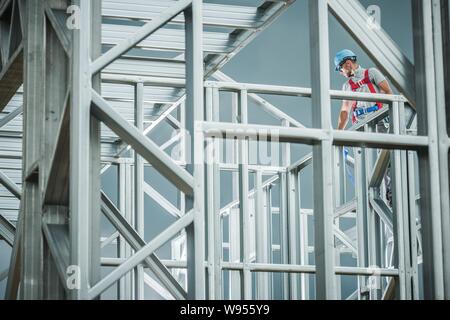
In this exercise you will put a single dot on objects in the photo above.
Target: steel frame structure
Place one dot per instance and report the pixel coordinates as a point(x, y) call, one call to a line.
point(94, 93)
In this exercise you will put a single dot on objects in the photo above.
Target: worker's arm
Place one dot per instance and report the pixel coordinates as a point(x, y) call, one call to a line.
point(343, 115)
point(385, 87)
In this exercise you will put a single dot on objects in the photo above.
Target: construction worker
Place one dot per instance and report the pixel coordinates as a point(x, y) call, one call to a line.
point(362, 80)
point(359, 80)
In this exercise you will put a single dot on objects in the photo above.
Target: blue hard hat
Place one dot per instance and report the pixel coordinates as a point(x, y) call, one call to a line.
point(343, 55)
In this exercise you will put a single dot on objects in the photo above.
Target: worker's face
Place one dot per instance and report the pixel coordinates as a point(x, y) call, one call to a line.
point(348, 68)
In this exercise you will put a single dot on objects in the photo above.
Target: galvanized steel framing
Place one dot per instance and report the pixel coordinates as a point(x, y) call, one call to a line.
point(83, 109)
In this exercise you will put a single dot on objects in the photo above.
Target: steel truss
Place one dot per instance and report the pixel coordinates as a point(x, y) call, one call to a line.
point(90, 104)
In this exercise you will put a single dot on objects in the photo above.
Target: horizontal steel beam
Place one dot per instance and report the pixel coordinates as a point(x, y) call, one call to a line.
point(268, 107)
point(141, 144)
point(302, 92)
point(261, 267)
point(172, 264)
point(313, 136)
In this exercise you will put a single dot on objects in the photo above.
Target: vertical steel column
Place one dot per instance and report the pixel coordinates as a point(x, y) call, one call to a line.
point(139, 186)
point(304, 246)
point(362, 205)
point(95, 150)
point(372, 219)
point(322, 152)
point(125, 202)
point(337, 202)
point(284, 187)
point(413, 224)
point(269, 241)
point(424, 57)
point(440, 35)
point(293, 225)
point(210, 293)
point(233, 218)
point(213, 199)
point(80, 149)
point(54, 135)
point(217, 218)
point(244, 214)
point(34, 104)
point(262, 236)
point(401, 235)
point(194, 113)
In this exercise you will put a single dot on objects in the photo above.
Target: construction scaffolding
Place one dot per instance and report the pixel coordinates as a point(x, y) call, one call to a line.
point(84, 83)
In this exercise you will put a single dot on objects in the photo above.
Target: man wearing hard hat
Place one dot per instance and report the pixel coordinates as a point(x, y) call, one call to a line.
point(361, 80)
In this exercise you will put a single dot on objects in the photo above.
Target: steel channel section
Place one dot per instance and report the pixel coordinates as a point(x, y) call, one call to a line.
point(284, 187)
point(268, 212)
point(362, 205)
point(441, 30)
point(244, 214)
point(432, 145)
point(413, 224)
point(139, 187)
point(292, 230)
point(95, 151)
point(80, 150)
point(195, 166)
point(213, 201)
point(424, 57)
point(337, 201)
point(373, 221)
point(217, 219)
point(234, 218)
point(54, 131)
point(314, 136)
point(262, 236)
point(126, 193)
point(29, 230)
point(322, 152)
point(400, 234)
